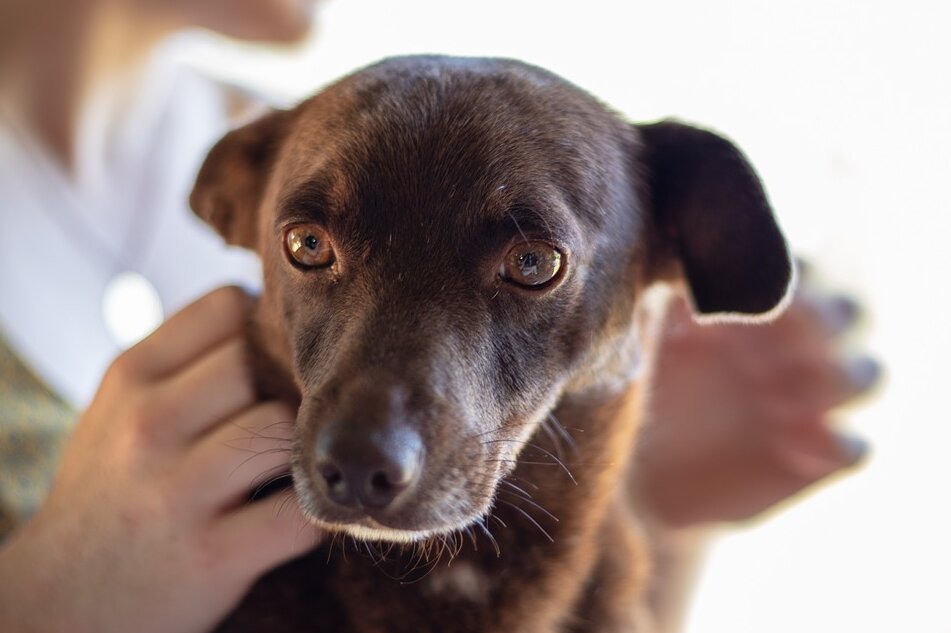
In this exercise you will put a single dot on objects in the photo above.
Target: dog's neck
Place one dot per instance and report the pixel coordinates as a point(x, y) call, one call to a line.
point(550, 540)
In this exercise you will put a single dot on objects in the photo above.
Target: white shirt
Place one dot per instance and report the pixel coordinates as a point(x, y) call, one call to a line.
point(64, 237)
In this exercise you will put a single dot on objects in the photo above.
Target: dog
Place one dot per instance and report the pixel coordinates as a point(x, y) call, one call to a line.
point(455, 255)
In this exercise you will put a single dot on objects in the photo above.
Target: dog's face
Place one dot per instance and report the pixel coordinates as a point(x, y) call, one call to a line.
point(450, 246)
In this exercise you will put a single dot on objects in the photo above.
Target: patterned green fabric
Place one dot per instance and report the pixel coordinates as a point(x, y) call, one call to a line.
point(34, 425)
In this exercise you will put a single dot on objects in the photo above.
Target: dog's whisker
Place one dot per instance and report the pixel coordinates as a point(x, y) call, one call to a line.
point(529, 517)
point(520, 461)
point(553, 437)
point(546, 452)
point(425, 553)
point(472, 537)
point(330, 547)
point(443, 548)
point(416, 559)
point(269, 451)
point(259, 433)
point(508, 483)
point(274, 438)
point(495, 429)
point(255, 451)
point(534, 504)
point(500, 427)
point(524, 481)
point(278, 423)
point(377, 559)
point(269, 477)
point(562, 431)
point(287, 497)
point(488, 533)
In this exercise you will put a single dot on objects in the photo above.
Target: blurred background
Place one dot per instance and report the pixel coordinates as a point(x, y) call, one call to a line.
point(845, 109)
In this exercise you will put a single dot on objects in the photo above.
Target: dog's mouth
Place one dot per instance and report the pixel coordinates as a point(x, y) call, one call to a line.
point(439, 503)
point(369, 529)
point(366, 528)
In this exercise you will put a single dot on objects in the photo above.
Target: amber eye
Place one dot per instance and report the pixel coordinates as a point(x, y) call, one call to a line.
point(309, 246)
point(531, 264)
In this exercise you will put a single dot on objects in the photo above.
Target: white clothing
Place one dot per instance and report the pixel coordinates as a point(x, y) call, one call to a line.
point(63, 238)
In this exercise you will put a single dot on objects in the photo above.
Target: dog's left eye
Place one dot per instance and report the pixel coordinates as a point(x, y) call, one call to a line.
point(531, 264)
point(309, 246)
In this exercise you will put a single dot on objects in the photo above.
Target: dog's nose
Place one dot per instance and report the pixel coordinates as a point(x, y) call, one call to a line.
point(368, 469)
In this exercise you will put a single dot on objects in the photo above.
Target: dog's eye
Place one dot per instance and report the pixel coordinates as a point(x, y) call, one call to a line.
point(531, 264)
point(309, 246)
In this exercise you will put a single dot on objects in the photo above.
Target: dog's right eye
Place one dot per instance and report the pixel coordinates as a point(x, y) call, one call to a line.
point(309, 246)
point(531, 264)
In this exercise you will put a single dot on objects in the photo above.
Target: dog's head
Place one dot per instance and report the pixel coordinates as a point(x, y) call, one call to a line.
point(452, 245)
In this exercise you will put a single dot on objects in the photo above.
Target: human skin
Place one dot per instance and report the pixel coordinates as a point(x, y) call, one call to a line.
point(739, 420)
point(128, 539)
point(769, 432)
point(147, 527)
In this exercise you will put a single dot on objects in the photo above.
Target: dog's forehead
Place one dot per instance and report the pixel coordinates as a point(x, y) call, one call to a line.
point(409, 138)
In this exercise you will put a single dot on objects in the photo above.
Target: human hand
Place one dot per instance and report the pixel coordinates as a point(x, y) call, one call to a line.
point(738, 416)
point(147, 527)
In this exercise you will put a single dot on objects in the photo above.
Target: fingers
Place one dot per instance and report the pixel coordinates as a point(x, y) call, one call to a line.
point(267, 533)
point(837, 313)
point(242, 454)
point(189, 333)
point(808, 386)
point(215, 387)
point(822, 315)
point(815, 452)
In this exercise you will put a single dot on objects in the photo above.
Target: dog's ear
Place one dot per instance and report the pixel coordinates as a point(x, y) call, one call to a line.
point(231, 181)
point(712, 213)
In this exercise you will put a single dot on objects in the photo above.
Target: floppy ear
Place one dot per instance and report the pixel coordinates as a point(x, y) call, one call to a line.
point(712, 211)
point(231, 181)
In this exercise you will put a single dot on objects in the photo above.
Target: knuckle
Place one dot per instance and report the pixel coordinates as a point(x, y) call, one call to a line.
point(123, 371)
point(150, 418)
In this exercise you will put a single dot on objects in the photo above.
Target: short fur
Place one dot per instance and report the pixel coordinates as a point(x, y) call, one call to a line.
point(425, 171)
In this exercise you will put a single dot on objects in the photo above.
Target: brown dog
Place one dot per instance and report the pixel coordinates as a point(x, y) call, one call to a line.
point(454, 250)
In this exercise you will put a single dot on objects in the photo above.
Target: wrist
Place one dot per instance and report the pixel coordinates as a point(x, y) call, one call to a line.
point(33, 585)
point(19, 585)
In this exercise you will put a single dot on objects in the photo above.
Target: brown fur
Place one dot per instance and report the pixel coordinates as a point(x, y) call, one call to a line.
point(424, 171)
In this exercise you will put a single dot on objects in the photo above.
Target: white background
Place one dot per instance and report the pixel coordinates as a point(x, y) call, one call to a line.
point(845, 108)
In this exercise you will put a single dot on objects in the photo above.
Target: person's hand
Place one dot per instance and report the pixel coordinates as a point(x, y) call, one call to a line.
point(738, 416)
point(147, 527)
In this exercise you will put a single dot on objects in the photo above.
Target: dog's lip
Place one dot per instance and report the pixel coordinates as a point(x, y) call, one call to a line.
point(363, 517)
point(370, 532)
point(369, 529)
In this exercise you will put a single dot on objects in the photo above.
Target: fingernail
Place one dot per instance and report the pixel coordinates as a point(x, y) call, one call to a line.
point(863, 372)
point(840, 312)
point(854, 449)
